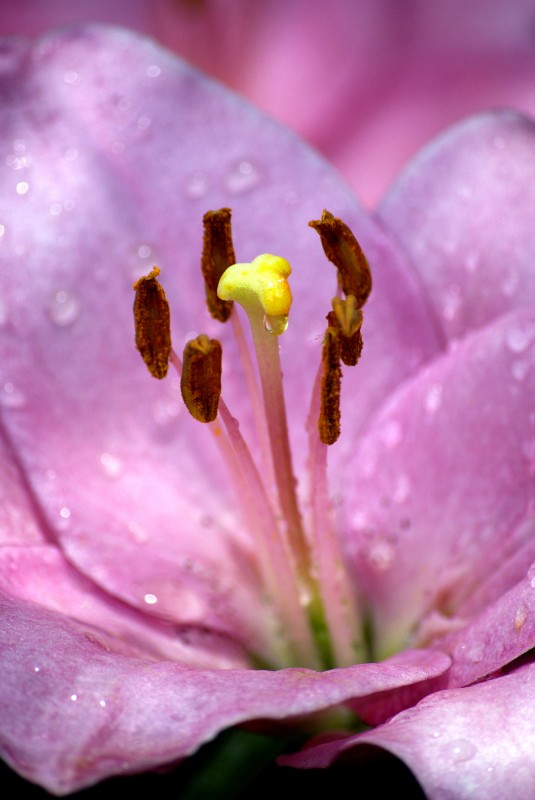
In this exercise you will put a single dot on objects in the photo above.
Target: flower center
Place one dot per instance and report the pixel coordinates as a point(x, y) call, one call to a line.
point(305, 582)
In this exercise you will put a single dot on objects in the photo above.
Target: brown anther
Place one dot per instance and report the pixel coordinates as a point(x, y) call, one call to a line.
point(329, 421)
point(344, 251)
point(217, 256)
point(152, 323)
point(201, 377)
point(348, 320)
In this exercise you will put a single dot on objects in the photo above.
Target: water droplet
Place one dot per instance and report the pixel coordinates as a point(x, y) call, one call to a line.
point(4, 314)
point(461, 750)
point(380, 554)
point(521, 617)
point(291, 197)
point(111, 465)
point(519, 338)
point(528, 448)
point(71, 153)
point(242, 178)
point(64, 512)
point(391, 433)
point(153, 70)
point(520, 369)
point(452, 302)
point(2, 230)
point(11, 397)
point(37, 669)
point(70, 76)
point(144, 122)
point(63, 309)
point(56, 209)
point(196, 185)
point(150, 599)
point(402, 488)
point(276, 324)
point(68, 204)
point(138, 533)
point(510, 284)
point(74, 697)
point(472, 261)
point(433, 398)
point(22, 187)
point(532, 583)
point(144, 251)
point(102, 703)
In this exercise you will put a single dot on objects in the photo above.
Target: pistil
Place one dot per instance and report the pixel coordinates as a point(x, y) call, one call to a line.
point(303, 573)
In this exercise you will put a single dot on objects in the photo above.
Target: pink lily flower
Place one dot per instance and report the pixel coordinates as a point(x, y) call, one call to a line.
point(367, 82)
point(134, 606)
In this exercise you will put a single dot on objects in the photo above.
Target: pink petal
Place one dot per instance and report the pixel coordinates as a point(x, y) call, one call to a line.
point(472, 743)
point(116, 151)
point(444, 482)
point(499, 634)
point(95, 713)
point(462, 210)
point(41, 575)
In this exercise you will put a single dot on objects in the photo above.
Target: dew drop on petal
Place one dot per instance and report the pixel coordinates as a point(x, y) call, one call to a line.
point(380, 554)
point(150, 599)
point(472, 261)
point(71, 153)
point(4, 314)
point(291, 197)
point(37, 669)
point(520, 618)
point(102, 703)
point(242, 178)
point(64, 512)
point(510, 284)
point(402, 488)
point(144, 122)
point(139, 534)
point(22, 187)
point(74, 697)
point(11, 397)
point(391, 433)
point(111, 465)
point(461, 750)
point(519, 338)
point(196, 185)
point(63, 309)
point(433, 398)
point(452, 302)
point(519, 370)
point(70, 76)
point(144, 251)
point(153, 70)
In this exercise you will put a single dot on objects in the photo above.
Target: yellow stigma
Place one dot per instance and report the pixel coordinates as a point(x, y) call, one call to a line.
point(260, 284)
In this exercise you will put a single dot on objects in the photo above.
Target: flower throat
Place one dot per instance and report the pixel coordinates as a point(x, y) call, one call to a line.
point(308, 596)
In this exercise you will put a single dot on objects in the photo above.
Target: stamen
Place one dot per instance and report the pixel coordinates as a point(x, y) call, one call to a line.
point(200, 383)
point(344, 251)
point(329, 418)
point(217, 255)
point(341, 605)
point(348, 320)
point(152, 323)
